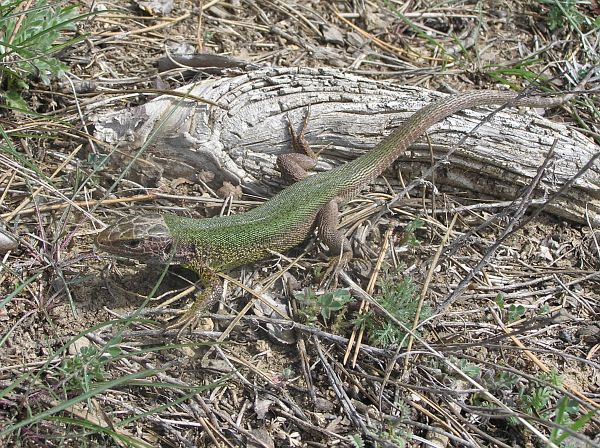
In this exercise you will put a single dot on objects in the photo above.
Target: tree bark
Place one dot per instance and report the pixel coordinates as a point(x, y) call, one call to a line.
point(238, 140)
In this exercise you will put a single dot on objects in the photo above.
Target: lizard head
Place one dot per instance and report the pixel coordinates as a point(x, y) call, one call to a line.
point(146, 238)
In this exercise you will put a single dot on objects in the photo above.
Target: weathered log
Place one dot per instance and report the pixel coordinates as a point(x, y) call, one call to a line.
point(238, 140)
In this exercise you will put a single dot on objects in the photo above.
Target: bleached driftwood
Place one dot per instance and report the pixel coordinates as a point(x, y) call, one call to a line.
point(239, 141)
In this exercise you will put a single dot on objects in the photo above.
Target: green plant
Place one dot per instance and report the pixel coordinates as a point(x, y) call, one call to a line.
point(29, 39)
point(510, 76)
point(395, 435)
point(504, 381)
point(325, 304)
point(513, 312)
point(418, 30)
point(570, 16)
point(563, 12)
point(541, 401)
point(565, 409)
point(470, 369)
point(535, 401)
point(408, 233)
point(88, 366)
point(356, 440)
point(538, 401)
point(543, 310)
point(288, 373)
point(397, 297)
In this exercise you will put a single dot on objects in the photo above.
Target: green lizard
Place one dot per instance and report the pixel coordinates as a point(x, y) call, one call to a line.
point(218, 244)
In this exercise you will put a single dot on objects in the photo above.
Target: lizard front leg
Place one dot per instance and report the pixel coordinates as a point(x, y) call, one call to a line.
point(296, 165)
point(205, 300)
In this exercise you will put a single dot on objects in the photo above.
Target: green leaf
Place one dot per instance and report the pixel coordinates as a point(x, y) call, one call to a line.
point(515, 312)
point(333, 301)
point(500, 301)
point(15, 101)
point(27, 42)
point(565, 408)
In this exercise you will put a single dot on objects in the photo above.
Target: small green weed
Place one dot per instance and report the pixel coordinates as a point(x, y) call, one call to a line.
point(356, 441)
point(510, 76)
point(564, 13)
point(534, 398)
point(398, 297)
point(565, 410)
point(395, 436)
point(541, 401)
point(325, 305)
point(513, 312)
point(535, 401)
point(543, 310)
point(396, 431)
point(408, 236)
point(418, 30)
point(27, 43)
point(88, 366)
point(505, 381)
point(288, 373)
point(469, 368)
point(572, 17)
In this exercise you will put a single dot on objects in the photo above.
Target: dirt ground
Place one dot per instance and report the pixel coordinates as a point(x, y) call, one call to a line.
point(511, 361)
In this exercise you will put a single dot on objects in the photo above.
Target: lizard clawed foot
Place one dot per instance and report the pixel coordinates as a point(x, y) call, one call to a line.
point(329, 279)
point(204, 302)
point(190, 320)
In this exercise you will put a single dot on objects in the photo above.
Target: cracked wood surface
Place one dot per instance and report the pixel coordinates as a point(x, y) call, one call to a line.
point(240, 140)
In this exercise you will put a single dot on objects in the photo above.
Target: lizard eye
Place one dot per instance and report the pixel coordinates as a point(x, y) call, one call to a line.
point(132, 244)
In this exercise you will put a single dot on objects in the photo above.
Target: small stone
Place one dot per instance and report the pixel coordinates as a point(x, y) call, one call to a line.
point(156, 7)
point(75, 348)
point(230, 190)
point(332, 35)
point(262, 435)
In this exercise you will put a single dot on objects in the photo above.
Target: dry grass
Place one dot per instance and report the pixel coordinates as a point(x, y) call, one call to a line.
point(505, 326)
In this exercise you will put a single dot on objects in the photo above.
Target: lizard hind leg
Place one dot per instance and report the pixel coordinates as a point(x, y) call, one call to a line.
point(327, 223)
point(296, 165)
point(339, 246)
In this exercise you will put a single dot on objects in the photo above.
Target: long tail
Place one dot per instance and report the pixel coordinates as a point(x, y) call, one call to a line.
point(373, 163)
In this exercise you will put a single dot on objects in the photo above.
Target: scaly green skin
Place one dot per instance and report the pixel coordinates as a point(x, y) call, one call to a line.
point(285, 220)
